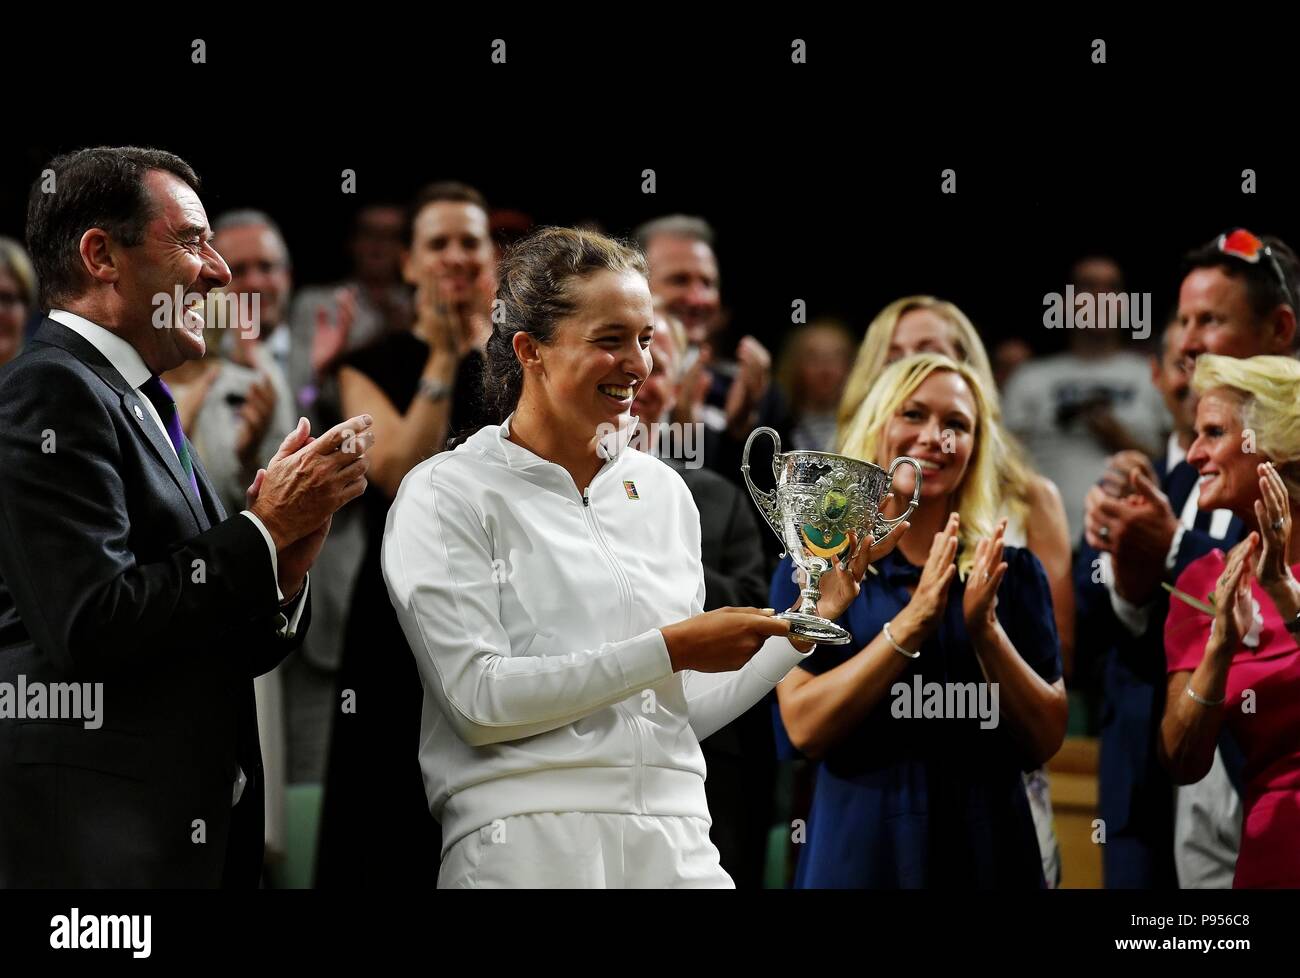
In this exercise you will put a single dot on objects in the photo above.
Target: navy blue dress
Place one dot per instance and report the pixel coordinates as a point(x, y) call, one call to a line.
point(905, 803)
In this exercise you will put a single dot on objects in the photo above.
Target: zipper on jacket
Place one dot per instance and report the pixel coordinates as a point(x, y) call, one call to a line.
point(620, 578)
point(625, 592)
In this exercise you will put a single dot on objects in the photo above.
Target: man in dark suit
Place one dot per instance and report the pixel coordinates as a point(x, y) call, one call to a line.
point(1136, 794)
point(1151, 530)
point(741, 757)
point(118, 563)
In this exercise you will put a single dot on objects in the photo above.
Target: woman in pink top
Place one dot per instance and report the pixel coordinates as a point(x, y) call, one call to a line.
point(1235, 661)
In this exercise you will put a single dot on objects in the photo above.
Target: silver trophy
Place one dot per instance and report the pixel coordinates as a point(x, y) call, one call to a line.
point(821, 498)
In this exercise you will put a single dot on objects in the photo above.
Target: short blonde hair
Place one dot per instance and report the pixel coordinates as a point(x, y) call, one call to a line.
point(1268, 389)
point(978, 495)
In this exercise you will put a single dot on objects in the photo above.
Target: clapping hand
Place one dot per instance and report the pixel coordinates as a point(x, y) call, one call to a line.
point(331, 337)
point(981, 599)
point(254, 418)
point(1234, 609)
point(752, 379)
point(931, 595)
point(1273, 511)
point(439, 320)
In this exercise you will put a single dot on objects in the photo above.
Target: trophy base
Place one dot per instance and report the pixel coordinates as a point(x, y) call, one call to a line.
point(815, 629)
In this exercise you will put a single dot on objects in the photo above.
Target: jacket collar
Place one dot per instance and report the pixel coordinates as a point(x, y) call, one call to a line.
point(125, 359)
point(65, 338)
point(611, 445)
point(109, 362)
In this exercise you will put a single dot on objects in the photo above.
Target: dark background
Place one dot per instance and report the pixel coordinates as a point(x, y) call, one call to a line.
point(823, 180)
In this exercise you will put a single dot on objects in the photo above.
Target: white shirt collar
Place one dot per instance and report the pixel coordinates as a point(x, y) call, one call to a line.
point(117, 351)
point(1174, 452)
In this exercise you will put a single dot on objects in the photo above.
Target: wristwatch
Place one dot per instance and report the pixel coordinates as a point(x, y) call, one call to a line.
point(434, 390)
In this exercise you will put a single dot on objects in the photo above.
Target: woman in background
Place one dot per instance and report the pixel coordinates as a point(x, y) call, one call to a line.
point(17, 297)
point(1240, 666)
point(1031, 503)
point(421, 386)
point(811, 372)
point(908, 801)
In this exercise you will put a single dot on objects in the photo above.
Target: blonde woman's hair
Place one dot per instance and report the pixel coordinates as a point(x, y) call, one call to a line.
point(15, 261)
point(978, 496)
point(1017, 474)
point(1268, 389)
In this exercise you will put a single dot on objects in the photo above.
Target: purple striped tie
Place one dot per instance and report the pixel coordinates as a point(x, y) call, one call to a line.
point(162, 399)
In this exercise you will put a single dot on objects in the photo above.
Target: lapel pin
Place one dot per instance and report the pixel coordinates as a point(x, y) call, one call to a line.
point(138, 413)
point(630, 488)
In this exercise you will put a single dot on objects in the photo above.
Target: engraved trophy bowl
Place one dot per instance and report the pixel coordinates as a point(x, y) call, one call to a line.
point(819, 499)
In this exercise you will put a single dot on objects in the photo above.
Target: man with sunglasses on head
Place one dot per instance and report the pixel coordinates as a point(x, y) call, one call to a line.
point(1237, 298)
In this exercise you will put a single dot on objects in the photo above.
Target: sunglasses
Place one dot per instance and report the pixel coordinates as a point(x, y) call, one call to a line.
point(1247, 247)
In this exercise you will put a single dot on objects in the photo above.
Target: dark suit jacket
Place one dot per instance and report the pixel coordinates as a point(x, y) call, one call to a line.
point(731, 544)
point(110, 571)
point(741, 757)
point(735, 575)
point(1134, 787)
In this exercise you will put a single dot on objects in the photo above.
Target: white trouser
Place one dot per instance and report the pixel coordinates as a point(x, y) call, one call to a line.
point(1207, 830)
point(586, 850)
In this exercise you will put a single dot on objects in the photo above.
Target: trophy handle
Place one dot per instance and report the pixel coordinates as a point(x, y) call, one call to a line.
point(765, 501)
point(888, 525)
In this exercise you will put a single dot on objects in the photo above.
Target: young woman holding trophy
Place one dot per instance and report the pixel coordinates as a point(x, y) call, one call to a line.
point(548, 580)
point(951, 685)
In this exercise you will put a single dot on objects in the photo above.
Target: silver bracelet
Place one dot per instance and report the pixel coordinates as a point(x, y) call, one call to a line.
point(1202, 700)
point(910, 655)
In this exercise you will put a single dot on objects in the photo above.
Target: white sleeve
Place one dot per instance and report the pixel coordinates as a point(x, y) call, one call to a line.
point(714, 699)
point(1135, 617)
point(270, 546)
point(1132, 616)
point(437, 563)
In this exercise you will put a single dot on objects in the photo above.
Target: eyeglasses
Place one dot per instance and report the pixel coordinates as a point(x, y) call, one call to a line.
point(1250, 249)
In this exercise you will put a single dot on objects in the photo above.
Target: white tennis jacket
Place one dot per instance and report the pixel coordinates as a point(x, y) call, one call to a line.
point(533, 609)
